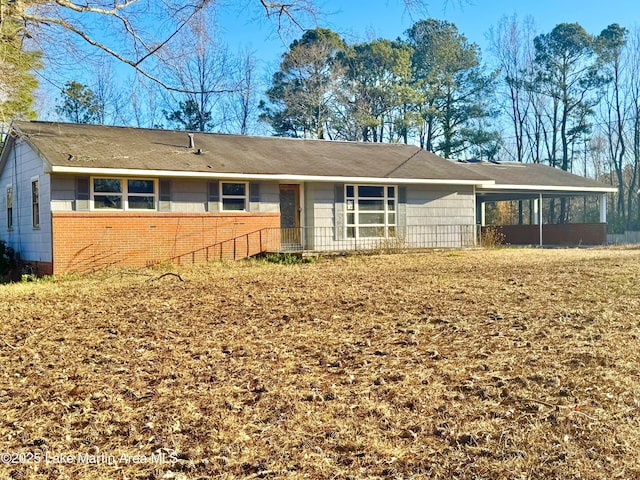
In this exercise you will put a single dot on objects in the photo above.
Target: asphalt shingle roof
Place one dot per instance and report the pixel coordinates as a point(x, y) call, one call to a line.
point(74, 145)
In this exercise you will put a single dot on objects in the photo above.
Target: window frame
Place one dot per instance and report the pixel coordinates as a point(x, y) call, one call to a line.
point(352, 209)
point(124, 194)
point(35, 203)
point(223, 196)
point(9, 198)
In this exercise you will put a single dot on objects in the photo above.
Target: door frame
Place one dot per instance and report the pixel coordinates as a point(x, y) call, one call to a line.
point(299, 188)
point(296, 187)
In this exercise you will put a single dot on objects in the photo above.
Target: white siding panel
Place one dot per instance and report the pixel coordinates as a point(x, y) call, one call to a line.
point(322, 196)
point(435, 205)
point(188, 196)
point(269, 197)
point(63, 193)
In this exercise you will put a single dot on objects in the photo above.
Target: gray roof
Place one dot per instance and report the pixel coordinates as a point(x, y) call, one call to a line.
point(103, 147)
point(532, 176)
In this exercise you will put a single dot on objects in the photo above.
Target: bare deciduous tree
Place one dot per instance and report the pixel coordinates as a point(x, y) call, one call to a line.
point(511, 42)
point(199, 65)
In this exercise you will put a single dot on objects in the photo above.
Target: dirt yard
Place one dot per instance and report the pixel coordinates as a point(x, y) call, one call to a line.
point(501, 364)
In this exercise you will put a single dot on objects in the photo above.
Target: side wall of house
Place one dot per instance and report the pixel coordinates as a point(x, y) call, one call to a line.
point(32, 243)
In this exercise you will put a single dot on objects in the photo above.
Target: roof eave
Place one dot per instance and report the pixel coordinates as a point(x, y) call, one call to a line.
point(548, 188)
point(4, 154)
point(262, 176)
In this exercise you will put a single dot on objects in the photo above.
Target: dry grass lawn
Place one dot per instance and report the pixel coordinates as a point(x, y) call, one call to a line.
point(501, 364)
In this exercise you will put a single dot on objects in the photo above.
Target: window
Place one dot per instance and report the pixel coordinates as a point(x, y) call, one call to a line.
point(107, 193)
point(35, 202)
point(371, 211)
point(140, 195)
point(9, 207)
point(234, 196)
point(123, 194)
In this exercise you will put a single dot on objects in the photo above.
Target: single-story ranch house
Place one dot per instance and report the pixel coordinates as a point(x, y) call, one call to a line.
point(81, 197)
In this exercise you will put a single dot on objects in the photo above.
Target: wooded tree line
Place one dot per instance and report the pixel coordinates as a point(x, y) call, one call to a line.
point(429, 88)
point(566, 98)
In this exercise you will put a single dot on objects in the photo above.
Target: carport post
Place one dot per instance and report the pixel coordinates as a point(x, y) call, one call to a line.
point(603, 208)
point(540, 216)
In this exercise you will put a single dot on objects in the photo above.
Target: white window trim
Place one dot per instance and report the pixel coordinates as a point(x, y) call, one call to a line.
point(222, 196)
point(125, 195)
point(356, 225)
point(37, 180)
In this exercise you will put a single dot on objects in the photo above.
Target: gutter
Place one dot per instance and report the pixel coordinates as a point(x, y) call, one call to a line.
point(547, 188)
point(262, 176)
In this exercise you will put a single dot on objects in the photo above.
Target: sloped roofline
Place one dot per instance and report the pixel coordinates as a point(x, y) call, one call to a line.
point(6, 148)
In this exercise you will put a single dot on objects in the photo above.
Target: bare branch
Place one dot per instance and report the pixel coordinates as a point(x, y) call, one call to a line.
point(280, 9)
point(86, 8)
point(168, 39)
point(134, 64)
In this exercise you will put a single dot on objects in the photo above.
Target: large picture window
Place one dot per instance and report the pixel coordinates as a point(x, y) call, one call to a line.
point(371, 211)
point(123, 194)
point(233, 196)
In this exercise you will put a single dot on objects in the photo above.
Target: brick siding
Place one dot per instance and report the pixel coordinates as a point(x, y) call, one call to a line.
point(85, 242)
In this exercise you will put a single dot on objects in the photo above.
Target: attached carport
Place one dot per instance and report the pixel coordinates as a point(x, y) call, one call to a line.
point(534, 183)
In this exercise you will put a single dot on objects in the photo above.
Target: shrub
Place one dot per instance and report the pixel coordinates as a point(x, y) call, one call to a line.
point(491, 237)
point(391, 245)
point(287, 258)
point(8, 263)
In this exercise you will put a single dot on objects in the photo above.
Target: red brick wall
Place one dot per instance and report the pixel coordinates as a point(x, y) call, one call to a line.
point(89, 241)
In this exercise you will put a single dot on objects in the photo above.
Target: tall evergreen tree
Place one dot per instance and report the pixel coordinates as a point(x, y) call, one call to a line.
point(303, 95)
point(375, 73)
point(567, 71)
point(79, 104)
point(17, 82)
point(450, 81)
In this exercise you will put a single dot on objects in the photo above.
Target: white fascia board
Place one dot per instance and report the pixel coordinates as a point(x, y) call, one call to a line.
point(547, 188)
point(255, 176)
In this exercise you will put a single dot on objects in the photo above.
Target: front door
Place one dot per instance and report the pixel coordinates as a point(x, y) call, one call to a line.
point(290, 216)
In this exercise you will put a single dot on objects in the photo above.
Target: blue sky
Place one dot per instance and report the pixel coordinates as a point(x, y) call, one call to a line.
point(363, 19)
point(243, 26)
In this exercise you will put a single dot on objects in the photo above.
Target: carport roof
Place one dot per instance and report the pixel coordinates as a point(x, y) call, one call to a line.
point(529, 178)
